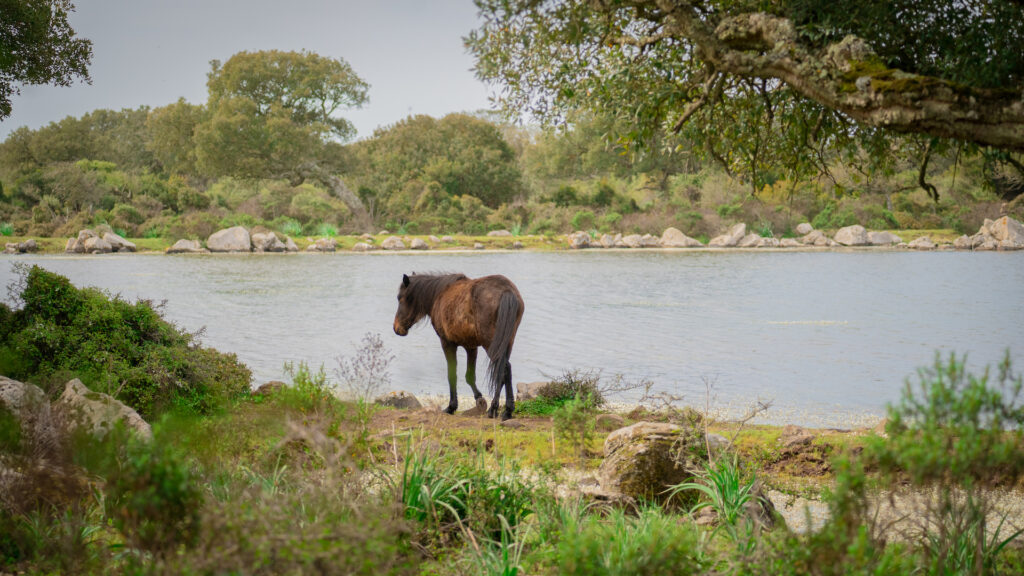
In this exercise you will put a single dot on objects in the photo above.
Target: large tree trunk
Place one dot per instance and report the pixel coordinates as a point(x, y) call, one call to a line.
point(360, 217)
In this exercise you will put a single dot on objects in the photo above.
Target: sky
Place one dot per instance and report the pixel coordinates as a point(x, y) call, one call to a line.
point(152, 52)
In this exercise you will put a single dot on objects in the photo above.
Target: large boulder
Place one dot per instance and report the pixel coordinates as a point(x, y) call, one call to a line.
point(815, 238)
point(606, 241)
point(499, 233)
point(77, 245)
point(790, 243)
point(393, 243)
point(768, 242)
point(22, 247)
point(749, 241)
point(1008, 232)
point(184, 246)
point(361, 247)
point(234, 239)
point(323, 245)
point(730, 238)
point(94, 413)
point(419, 244)
point(854, 235)
point(804, 228)
point(922, 243)
point(579, 240)
point(97, 245)
point(290, 245)
point(642, 461)
point(883, 239)
point(630, 241)
point(673, 238)
point(267, 242)
point(27, 407)
point(117, 243)
point(649, 241)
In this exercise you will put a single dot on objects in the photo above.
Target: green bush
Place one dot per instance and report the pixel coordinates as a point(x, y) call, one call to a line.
point(123, 349)
point(565, 196)
point(583, 220)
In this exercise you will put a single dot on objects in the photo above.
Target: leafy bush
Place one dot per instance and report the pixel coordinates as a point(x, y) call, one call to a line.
point(583, 220)
point(6, 229)
point(126, 350)
point(574, 423)
point(572, 384)
point(153, 499)
point(565, 196)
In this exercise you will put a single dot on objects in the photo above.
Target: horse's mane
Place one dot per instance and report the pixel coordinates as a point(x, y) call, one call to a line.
point(424, 289)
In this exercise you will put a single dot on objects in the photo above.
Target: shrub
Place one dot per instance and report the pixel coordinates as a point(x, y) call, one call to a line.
point(6, 229)
point(124, 349)
point(583, 220)
point(565, 196)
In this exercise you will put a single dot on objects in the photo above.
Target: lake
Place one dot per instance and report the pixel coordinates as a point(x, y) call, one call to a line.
point(829, 337)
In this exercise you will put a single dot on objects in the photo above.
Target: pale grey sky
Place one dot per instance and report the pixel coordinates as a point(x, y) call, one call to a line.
point(151, 52)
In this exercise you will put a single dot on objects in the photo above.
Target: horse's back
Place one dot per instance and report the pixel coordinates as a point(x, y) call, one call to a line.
point(467, 311)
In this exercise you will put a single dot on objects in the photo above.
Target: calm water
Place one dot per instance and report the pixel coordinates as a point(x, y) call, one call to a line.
point(826, 335)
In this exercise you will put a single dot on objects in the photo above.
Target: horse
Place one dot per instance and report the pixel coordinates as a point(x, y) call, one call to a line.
point(469, 313)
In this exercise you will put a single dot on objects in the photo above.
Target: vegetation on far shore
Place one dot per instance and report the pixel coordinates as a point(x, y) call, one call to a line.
point(296, 480)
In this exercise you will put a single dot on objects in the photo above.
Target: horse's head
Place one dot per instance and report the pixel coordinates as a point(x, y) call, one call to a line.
point(407, 313)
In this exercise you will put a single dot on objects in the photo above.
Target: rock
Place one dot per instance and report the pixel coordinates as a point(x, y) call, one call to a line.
point(815, 238)
point(393, 243)
point(117, 243)
point(447, 239)
point(730, 238)
point(1008, 232)
point(770, 242)
point(630, 241)
point(513, 424)
point(790, 243)
point(478, 246)
point(609, 422)
point(400, 400)
point(642, 461)
point(267, 242)
point(30, 408)
point(794, 437)
point(96, 413)
point(673, 238)
point(964, 242)
point(326, 244)
point(922, 243)
point(77, 245)
point(361, 247)
point(760, 509)
point(607, 241)
point(269, 388)
point(883, 239)
point(649, 241)
point(434, 239)
point(96, 245)
point(579, 240)
point(187, 247)
point(749, 241)
point(289, 245)
point(854, 235)
point(528, 390)
point(499, 233)
point(383, 233)
point(517, 245)
point(23, 247)
point(234, 239)
point(419, 244)
point(804, 228)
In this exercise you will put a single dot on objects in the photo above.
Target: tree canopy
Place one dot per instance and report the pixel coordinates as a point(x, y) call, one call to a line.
point(272, 114)
point(38, 46)
point(771, 84)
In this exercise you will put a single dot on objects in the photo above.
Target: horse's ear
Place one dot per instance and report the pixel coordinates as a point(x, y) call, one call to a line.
point(405, 280)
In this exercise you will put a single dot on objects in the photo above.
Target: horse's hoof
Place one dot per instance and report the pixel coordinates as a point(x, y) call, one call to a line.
point(450, 409)
point(492, 413)
point(506, 415)
point(481, 403)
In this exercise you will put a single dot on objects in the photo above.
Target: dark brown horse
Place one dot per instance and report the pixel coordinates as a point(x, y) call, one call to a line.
point(469, 313)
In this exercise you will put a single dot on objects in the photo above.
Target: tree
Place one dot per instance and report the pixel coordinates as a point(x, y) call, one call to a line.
point(751, 78)
point(272, 114)
point(171, 139)
point(462, 154)
point(38, 46)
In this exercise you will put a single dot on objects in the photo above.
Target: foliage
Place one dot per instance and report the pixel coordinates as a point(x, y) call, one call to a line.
point(726, 492)
point(573, 384)
point(574, 423)
point(271, 111)
point(38, 46)
point(126, 350)
point(152, 497)
point(650, 543)
point(365, 375)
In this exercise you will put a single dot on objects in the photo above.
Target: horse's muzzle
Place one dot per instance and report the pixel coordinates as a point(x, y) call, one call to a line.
point(400, 330)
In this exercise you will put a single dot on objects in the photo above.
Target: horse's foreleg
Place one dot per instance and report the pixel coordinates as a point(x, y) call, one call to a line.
point(510, 401)
point(449, 356)
point(471, 371)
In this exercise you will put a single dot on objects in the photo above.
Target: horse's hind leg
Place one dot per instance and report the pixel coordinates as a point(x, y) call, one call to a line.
point(510, 401)
point(449, 356)
point(471, 371)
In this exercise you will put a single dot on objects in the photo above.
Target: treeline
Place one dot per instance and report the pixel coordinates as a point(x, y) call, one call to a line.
point(265, 157)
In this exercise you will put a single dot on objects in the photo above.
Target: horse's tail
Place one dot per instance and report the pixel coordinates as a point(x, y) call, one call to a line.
point(501, 345)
